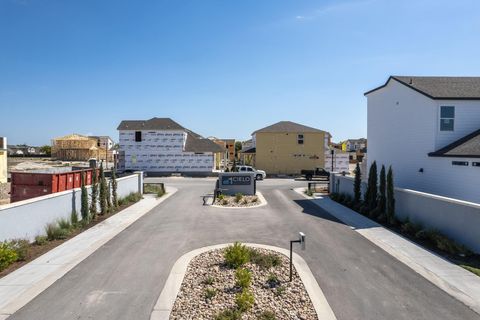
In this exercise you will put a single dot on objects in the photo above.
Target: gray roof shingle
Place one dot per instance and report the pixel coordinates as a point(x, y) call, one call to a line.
point(288, 126)
point(442, 88)
point(152, 124)
point(466, 147)
point(199, 144)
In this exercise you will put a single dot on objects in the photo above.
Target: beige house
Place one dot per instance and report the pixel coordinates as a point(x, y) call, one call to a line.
point(287, 148)
point(3, 159)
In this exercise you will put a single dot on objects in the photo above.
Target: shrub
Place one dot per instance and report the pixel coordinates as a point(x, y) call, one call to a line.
point(410, 228)
point(357, 184)
point(157, 189)
point(371, 193)
point(84, 210)
point(74, 218)
point(244, 201)
point(132, 198)
point(7, 255)
point(114, 188)
point(341, 197)
point(266, 315)
point(103, 192)
point(264, 261)
point(273, 281)
point(229, 314)
point(448, 245)
point(94, 195)
point(41, 240)
point(243, 278)
point(236, 255)
point(209, 281)
point(238, 197)
point(390, 201)
point(21, 247)
point(210, 293)
point(64, 224)
point(244, 300)
point(224, 202)
point(382, 192)
point(255, 199)
point(221, 196)
point(54, 232)
point(279, 291)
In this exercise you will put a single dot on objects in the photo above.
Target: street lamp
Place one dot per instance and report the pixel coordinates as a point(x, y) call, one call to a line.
point(301, 240)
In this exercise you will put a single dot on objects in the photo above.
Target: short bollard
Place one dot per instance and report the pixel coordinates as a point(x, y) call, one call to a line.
point(301, 240)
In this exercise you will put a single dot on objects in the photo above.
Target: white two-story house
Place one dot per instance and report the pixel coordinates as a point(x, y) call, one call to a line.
point(428, 130)
point(160, 145)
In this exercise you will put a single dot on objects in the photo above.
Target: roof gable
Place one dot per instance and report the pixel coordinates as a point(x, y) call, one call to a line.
point(440, 88)
point(287, 126)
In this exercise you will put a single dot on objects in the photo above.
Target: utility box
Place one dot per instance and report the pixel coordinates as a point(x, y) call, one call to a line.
point(231, 183)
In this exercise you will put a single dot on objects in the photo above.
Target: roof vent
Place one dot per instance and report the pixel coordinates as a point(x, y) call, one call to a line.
point(411, 81)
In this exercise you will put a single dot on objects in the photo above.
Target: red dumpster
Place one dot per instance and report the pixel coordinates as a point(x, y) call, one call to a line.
point(26, 185)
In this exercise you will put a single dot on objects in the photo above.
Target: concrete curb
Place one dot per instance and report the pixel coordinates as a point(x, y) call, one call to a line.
point(263, 202)
point(454, 280)
point(167, 298)
point(24, 284)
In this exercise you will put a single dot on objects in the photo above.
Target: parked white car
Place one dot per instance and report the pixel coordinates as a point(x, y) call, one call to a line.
point(259, 174)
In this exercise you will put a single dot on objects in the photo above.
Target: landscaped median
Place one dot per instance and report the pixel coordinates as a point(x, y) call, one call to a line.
point(241, 281)
point(239, 200)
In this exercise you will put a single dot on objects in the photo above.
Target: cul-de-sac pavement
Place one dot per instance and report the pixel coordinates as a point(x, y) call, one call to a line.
point(124, 278)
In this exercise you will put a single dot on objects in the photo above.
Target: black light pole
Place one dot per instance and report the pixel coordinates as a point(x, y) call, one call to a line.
point(301, 240)
point(332, 152)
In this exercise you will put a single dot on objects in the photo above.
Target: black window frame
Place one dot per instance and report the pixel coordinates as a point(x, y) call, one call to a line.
point(138, 136)
point(449, 118)
point(300, 138)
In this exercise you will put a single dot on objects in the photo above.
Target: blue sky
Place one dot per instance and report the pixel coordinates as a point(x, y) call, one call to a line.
point(222, 68)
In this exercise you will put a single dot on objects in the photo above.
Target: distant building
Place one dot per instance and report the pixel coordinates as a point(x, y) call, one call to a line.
point(354, 145)
point(287, 147)
point(3, 159)
point(162, 146)
point(24, 150)
point(104, 142)
point(428, 130)
point(76, 147)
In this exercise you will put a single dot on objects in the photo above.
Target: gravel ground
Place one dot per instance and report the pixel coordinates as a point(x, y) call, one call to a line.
point(191, 303)
point(230, 201)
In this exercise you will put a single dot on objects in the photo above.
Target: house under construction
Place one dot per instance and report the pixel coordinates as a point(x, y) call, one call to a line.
point(76, 147)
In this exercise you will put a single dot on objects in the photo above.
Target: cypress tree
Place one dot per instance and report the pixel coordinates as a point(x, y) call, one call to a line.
point(371, 194)
point(109, 196)
point(103, 192)
point(114, 189)
point(84, 203)
point(357, 185)
point(382, 198)
point(390, 210)
point(93, 204)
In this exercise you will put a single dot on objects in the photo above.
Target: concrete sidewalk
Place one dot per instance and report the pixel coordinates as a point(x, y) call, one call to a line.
point(456, 281)
point(21, 286)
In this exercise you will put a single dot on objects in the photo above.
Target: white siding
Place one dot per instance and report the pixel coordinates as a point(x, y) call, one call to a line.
point(403, 127)
point(161, 151)
point(401, 132)
point(467, 120)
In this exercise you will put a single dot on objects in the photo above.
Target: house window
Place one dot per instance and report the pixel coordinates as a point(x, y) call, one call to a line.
point(300, 139)
point(447, 118)
point(460, 163)
point(138, 136)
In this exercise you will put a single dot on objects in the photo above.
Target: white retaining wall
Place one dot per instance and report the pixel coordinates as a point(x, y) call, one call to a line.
point(27, 218)
point(459, 220)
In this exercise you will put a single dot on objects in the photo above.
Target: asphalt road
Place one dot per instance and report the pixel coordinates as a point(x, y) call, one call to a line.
point(123, 279)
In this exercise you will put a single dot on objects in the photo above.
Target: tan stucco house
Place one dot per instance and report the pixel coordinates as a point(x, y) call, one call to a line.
point(287, 147)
